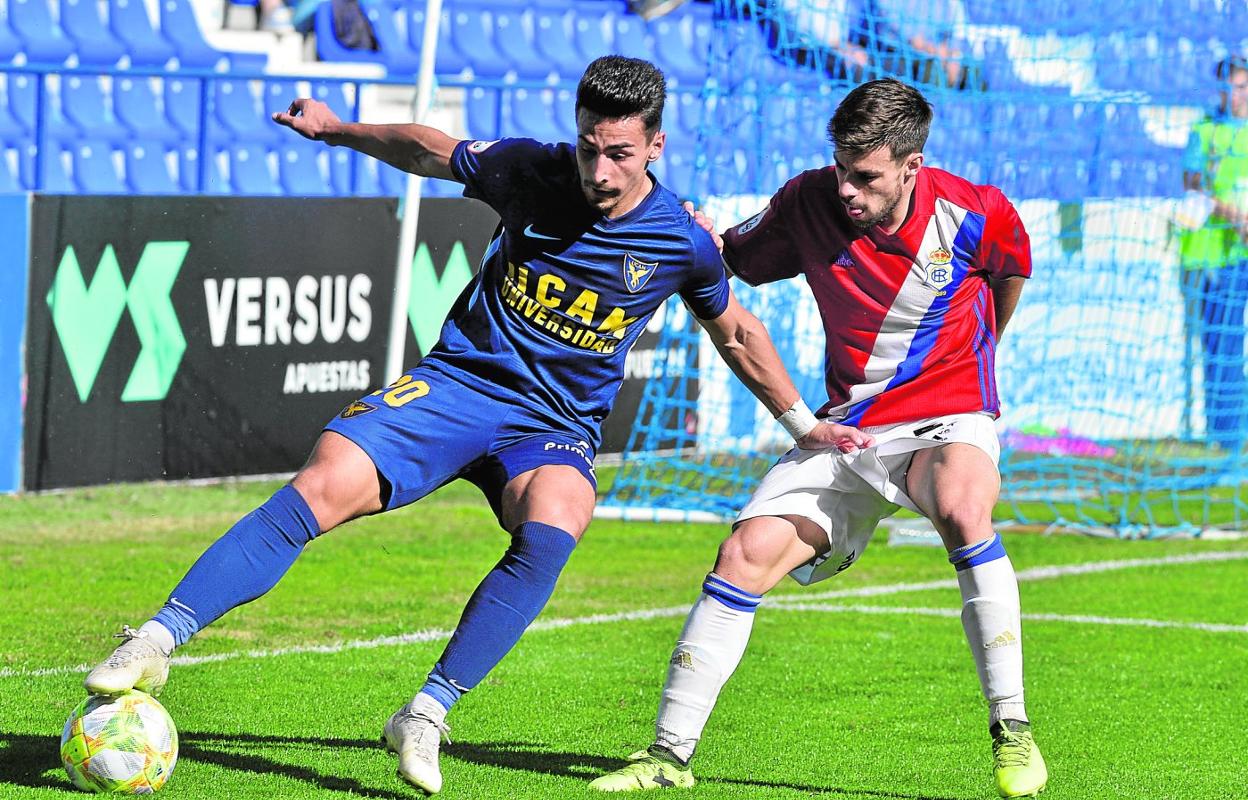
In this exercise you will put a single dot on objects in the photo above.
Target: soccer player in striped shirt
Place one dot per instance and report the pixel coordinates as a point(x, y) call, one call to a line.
point(511, 398)
point(916, 273)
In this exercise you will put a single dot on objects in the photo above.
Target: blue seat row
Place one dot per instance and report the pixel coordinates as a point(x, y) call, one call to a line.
point(95, 166)
point(490, 39)
point(122, 36)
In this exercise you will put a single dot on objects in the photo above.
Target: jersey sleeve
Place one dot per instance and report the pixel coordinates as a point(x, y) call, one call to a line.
point(1007, 247)
point(761, 249)
point(706, 290)
point(498, 173)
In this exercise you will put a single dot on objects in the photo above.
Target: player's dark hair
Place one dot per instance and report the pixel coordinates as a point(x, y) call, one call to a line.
point(615, 87)
point(881, 113)
point(1229, 66)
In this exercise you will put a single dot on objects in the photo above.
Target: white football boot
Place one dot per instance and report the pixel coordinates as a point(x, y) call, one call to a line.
point(414, 732)
point(136, 664)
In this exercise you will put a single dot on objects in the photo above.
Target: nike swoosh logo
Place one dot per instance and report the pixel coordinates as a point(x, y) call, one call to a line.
point(532, 234)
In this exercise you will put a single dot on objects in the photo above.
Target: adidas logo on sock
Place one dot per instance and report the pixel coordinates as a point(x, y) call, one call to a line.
point(1004, 639)
point(682, 659)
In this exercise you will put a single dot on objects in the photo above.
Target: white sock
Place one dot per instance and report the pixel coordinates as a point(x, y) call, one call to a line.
point(992, 619)
point(708, 651)
point(158, 635)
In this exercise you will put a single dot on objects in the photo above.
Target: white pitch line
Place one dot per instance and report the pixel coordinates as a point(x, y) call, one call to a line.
point(1082, 619)
point(791, 602)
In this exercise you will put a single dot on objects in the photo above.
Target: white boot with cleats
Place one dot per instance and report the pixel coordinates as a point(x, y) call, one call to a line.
point(414, 732)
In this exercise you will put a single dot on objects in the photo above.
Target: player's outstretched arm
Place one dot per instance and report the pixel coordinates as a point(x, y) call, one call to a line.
point(413, 148)
point(747, 348)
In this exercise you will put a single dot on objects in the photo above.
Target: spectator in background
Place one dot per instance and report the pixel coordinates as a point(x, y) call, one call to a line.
point(1214, 252)
point(921, 39)
point(831, 28)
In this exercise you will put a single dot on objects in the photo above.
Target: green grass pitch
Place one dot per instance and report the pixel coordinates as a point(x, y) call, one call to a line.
point(844, 693)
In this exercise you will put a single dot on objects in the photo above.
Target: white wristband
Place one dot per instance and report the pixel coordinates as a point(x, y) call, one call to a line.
point(798, 420)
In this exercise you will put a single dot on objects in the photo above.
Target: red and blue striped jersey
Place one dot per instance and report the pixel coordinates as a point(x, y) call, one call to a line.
point(909, 317)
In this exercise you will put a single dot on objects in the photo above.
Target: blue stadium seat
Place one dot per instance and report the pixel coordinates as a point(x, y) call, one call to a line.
point(391, 182)
point(392, 45)
point(87, 106)
point(9, 183)
point(300, 170)
point(673, 46)
point(530, 113)
point(129, 22)
point(514, 39)
point(138, 108)
point(22, 102)
point(10, 45)
point(94, 169)
point(563, 113)
point(147, 170)
point(448, 60)
point(481, 110)
point(590, 36)
point(363, 183)
point(179, 26)
point(250, 172)
point(470, 31)
point(55, 178)
point(683, 113)
point(1071, 180)
point(43, 41)
point(277, 95)
point(332, 94)
point(328, 48)
point(95, 44)
point(680, 175)
point(183, 105)
point(242, 115)
point(12, 130)
point(629, 37)
point(556, 45)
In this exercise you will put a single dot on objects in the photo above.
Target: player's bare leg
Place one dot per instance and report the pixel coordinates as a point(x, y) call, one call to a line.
point(752, 560)
point(956, 486)
point(338, 483)
point(547, 509)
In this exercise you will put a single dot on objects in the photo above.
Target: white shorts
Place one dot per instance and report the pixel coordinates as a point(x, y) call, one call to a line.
point(847, 494)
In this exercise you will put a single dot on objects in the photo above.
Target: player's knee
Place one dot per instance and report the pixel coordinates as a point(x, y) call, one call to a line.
point(336, 496)
point(964, 521)
point(749, 559)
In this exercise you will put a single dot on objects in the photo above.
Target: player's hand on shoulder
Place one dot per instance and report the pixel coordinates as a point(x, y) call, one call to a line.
point(309, 118)
point(827, 435)
point(706, 223)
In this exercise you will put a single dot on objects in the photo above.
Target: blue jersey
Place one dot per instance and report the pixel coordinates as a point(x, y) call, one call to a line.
point(564, 292)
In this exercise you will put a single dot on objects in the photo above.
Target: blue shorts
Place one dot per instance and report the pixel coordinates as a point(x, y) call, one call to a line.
point(427, 429)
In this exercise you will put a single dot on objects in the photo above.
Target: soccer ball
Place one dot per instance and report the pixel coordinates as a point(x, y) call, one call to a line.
point(125, 743)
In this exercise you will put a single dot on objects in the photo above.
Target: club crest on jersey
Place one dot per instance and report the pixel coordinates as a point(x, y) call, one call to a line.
point(636, 272)
point(939, 268)
point(356, 409)
point(843, 260)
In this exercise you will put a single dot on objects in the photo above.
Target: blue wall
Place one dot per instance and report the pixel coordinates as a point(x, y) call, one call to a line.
point(14, 258)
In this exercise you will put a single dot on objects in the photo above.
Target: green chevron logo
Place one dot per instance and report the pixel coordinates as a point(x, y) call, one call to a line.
point(86, 317)
point(432, 297)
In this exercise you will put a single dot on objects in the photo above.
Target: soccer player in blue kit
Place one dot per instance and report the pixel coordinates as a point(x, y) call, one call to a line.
point(511, 397)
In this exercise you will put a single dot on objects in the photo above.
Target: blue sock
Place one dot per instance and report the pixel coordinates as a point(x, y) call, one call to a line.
point(504, 604)
point(242, 565)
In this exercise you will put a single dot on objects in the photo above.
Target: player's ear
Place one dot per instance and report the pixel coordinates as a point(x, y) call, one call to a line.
point(656, 146)
point(913, 162)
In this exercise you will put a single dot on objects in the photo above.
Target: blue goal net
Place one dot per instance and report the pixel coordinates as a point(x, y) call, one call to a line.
point(1120, 132)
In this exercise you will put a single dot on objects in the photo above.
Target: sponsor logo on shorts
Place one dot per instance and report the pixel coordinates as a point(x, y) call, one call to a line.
point(356, 409)
point(581, 448)
point(939, 431)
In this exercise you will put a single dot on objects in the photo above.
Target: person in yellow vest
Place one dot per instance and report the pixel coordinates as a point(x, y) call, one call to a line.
point(1214, 254)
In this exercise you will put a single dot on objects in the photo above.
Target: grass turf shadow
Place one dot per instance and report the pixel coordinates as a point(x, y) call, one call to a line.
point(26, 758)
